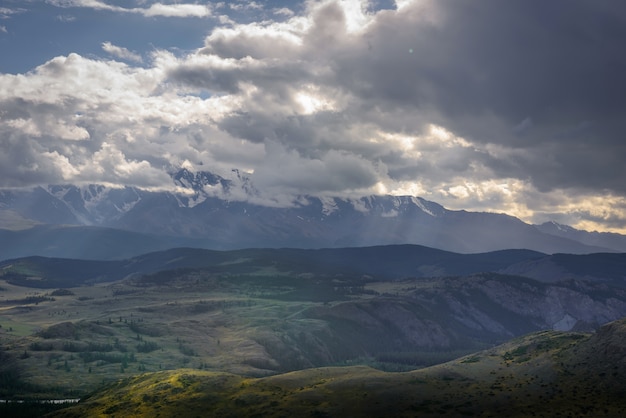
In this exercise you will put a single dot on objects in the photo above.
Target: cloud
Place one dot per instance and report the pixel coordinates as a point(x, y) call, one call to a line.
point(515, 107)
point(253, 5)
point(7, 12)
point(120, 52)
point(175, 10)
point(111, 165)
point(155, 9)
point(523, 126)
point(476, 70)
point(66, 18)
point(333, 172)
point(284, 11)
point(91, 4)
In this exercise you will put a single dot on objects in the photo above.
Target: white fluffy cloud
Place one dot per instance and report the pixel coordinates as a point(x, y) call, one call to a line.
point(121, 52)
point(155, 9)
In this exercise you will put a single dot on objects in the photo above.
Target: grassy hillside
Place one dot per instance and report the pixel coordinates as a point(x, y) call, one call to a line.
point(542, 374)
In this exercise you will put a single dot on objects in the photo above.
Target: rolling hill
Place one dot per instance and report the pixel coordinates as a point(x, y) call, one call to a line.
point(541, 374)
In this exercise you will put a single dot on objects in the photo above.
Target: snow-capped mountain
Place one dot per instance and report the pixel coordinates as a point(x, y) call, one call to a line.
point(96, 204)
point(616, 242)
point(215, 211)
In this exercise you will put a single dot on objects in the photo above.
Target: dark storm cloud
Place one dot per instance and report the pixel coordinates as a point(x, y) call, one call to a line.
point(486, 70)
point(543, 82)
point(229, 78)
point(334, 172)
point(515, 58)
point(489, 68)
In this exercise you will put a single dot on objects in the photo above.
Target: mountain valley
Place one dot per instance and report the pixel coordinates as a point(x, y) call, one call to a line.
point(266, 312)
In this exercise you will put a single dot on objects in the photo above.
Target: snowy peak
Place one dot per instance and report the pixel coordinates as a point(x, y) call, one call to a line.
point(329, 205)
point(196, 187)
point(397, 206)
point(557, 227)
point(95, 204)
point(431, 208)
point(231, 213)
point(193, 187)
point(604, 240)
point(199, 180)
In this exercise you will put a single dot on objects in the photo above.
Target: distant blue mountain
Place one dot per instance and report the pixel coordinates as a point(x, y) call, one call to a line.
point(361, 264)
point(616, 242)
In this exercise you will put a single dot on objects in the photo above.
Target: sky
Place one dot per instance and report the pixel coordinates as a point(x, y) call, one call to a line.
point(515, 106)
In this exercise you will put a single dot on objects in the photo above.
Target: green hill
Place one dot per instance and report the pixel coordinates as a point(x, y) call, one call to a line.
point(542, 374)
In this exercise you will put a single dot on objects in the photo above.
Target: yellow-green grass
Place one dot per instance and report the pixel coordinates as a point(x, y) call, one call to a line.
point(489, 383)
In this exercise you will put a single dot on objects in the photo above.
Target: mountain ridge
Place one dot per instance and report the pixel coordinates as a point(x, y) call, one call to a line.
point(209, 211)
point(386, 262)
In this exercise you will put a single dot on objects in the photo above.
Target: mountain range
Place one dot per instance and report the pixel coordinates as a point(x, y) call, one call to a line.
point(365, 264)
point(205, 210)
